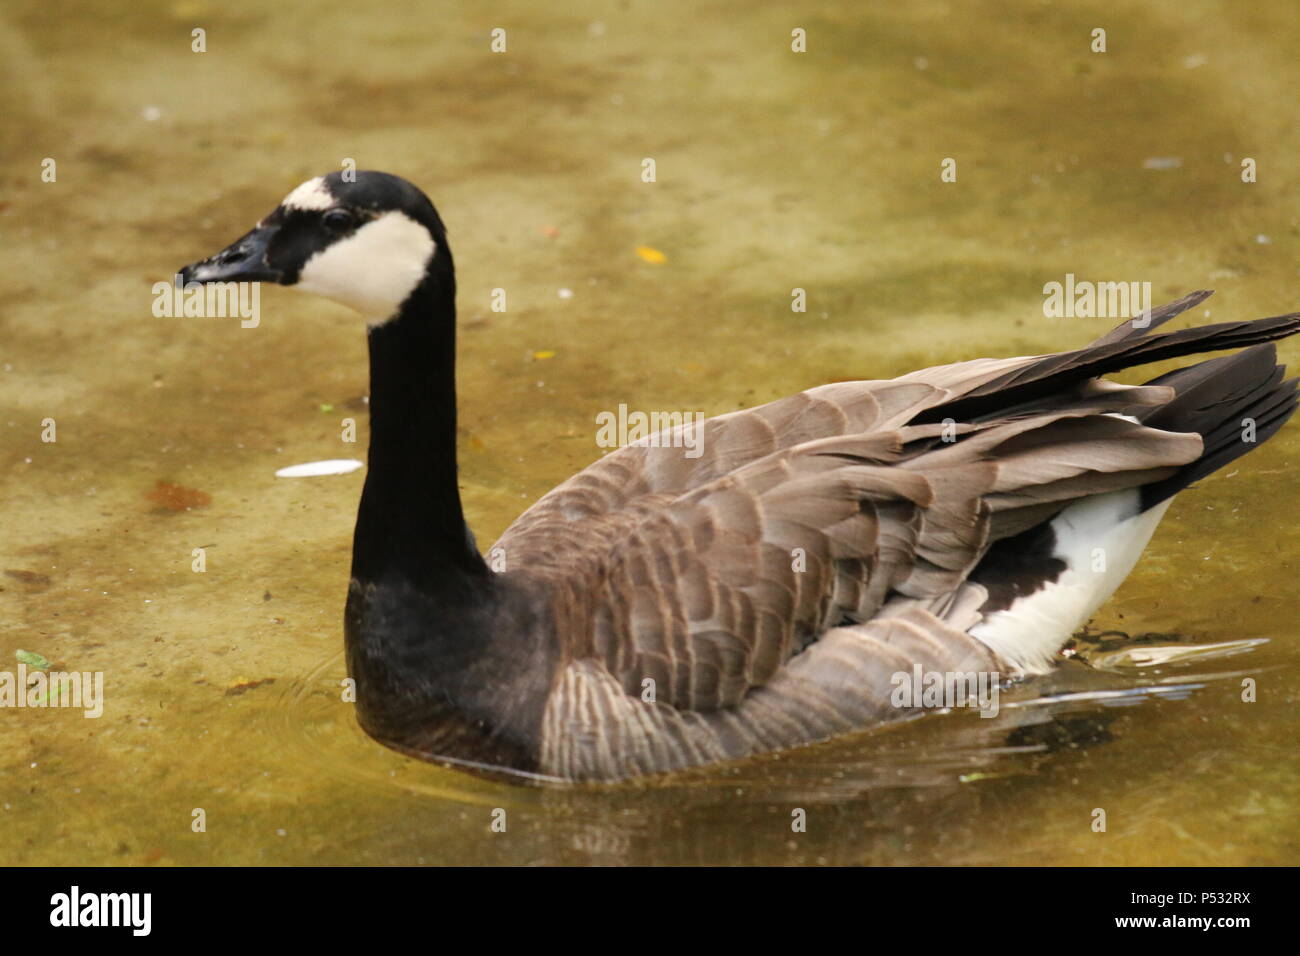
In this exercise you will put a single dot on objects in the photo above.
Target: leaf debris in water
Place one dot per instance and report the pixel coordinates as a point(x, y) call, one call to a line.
point(32, 659)
point(972, 777)
point(170, 497)
point(33, 578)
point(241, 685)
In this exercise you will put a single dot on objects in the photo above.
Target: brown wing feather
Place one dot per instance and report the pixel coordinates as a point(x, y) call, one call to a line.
point(590, 512)
point(715, 592)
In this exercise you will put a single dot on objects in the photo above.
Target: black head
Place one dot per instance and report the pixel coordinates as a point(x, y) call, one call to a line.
point(365, 239)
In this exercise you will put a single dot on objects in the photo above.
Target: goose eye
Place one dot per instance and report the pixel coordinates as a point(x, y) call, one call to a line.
point(337, 220)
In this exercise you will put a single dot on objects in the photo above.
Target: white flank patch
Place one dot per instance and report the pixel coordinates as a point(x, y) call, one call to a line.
point(373, 270)
point(1028, 634)
point(314, 469)
point(310, 195)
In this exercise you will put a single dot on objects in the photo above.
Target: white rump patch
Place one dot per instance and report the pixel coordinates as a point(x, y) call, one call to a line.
point(314, 469)
point(1028, 634)
point(312, 194)
point(373, 270)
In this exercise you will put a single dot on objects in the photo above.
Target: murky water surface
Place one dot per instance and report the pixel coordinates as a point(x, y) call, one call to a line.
point(775, 171)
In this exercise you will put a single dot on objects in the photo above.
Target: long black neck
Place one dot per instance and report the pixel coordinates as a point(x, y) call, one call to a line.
point(410, 526)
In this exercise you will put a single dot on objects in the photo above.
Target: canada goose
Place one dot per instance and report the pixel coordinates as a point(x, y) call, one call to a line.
point(769, 590)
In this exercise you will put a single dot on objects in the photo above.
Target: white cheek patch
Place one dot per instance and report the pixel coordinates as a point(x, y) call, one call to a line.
point(373, 270)
point(312, 194)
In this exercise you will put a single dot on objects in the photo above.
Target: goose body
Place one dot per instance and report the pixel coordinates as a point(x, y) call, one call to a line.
point(659, 611)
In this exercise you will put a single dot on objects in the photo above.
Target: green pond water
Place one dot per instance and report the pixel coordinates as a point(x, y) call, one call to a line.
point(775, 171)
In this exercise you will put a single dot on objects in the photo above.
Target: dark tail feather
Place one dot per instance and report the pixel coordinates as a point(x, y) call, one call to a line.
point(1234, 403)
point(1053, 373)
point(1159, 316)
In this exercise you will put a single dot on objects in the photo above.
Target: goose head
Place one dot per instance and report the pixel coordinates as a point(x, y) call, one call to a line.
point(368, 242)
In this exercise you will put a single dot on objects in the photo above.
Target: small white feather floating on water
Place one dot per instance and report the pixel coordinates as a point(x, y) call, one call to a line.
point(314, 469)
